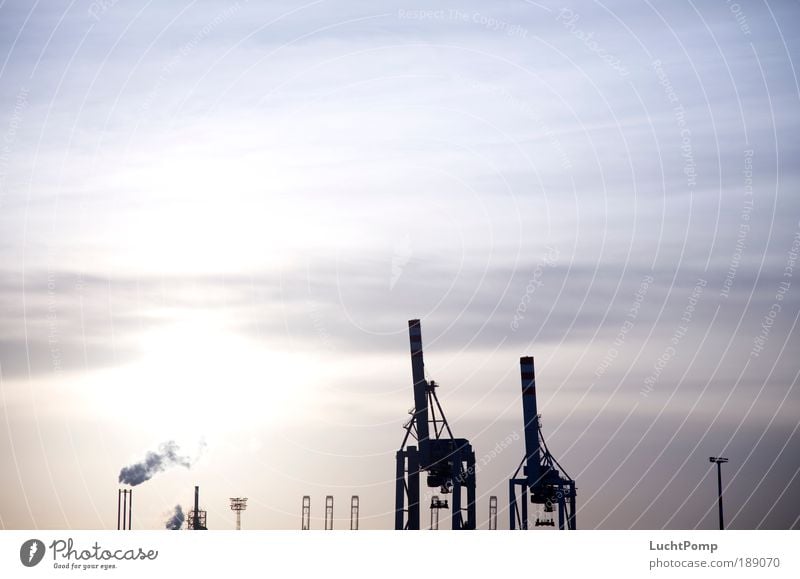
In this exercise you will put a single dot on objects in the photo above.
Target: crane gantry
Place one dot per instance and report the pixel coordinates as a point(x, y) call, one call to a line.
point(448, 461)
point(540, 480)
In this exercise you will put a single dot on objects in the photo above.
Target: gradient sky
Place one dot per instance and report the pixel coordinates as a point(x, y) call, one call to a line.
point(216, 219)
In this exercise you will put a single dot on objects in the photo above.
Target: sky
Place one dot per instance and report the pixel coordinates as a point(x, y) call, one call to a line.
point(217, 217)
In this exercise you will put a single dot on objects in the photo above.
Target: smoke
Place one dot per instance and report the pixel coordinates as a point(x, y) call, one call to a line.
point(175, 522)
point(154, 462)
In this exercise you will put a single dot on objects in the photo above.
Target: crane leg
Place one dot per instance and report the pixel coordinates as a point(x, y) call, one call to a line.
point(513, 514)
point(400, 491)
point(413, 488)
point(471, 513)
point(455, 497)
point(524, 496)
point(572, 523)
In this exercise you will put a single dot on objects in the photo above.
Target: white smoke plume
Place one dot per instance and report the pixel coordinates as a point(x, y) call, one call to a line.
point(175, 522)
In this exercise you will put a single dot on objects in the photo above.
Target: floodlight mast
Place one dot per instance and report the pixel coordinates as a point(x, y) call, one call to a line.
point(238, 504)
point(719, 460)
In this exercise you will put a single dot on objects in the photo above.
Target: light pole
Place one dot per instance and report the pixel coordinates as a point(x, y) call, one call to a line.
point(238, 504)
point(719, 460)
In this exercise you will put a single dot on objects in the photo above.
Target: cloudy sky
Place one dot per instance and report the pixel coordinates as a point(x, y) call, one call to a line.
point(217, 217)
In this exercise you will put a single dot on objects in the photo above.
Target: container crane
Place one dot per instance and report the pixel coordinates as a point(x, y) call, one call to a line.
point(540, 479)
point(448, 461)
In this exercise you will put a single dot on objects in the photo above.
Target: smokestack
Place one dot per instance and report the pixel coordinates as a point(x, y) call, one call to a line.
point(124, 507)
point(196, 521)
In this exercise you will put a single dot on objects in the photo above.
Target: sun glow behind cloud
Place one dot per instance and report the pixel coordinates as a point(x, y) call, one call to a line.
point(196, 379)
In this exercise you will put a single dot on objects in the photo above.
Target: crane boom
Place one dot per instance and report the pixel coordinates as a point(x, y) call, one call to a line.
point(420, 384)
point(531, 417)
